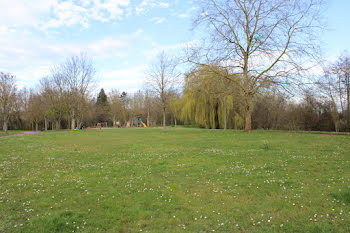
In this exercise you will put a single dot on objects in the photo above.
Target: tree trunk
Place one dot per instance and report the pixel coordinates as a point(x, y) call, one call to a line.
point(175, 120)
point(58, 124)
point(148, 123)
point(248, 121)
point(36, 126)
point(248, 114)
point(79, 121)
point(73, 124)
point(164, 123)
point(248, 96)
point(5, 126)
point(45, 124)
point(335, 116)
point(217, 125)
point(347, 84)
point(225, 114)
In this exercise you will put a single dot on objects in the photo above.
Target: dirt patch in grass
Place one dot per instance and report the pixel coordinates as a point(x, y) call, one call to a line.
point(331, 134)
point(21, 134)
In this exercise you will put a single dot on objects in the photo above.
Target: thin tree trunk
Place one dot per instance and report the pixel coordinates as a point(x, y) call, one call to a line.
point(347, 84)
point(148, 123)
point(36, 126)
point(73, 124)
point(175, 120)
point(340, 94)
point(45, 124)
point(225, 114)
point(248, 97)
point(5, 126)
point(164, 123)
point(57, 125)
point(78, 123)
point(216, 123)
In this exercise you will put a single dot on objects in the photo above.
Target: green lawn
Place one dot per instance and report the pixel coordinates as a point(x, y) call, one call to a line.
point(178, 180)
point(11, 132)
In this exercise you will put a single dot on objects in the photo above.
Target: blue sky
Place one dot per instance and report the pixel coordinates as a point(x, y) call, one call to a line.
point(122, 36)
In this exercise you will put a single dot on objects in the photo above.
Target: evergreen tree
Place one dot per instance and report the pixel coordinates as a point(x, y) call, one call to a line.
point(102, 107)
point(102, 98)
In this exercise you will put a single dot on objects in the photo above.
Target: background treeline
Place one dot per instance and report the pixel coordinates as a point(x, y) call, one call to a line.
point(67, 99)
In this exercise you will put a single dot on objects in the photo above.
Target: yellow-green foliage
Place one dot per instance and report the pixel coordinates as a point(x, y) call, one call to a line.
point(239, 121)
point(207, 90)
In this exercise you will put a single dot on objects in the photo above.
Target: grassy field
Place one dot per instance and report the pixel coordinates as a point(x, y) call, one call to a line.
point(11, 132)
point(178, 180)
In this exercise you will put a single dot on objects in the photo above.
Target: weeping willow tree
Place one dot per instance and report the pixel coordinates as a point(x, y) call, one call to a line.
point(209, 98)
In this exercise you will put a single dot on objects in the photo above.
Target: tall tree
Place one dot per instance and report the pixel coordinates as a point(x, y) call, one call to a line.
point(148, 105)
point(36, 110)
point(55, 92)
point(208, 97)
point(76, 76)
point(125, 101)
point(102, 98)
point(161, 78)
point(7, 97)
point(102, 107)
point(266, 41)
point(342, 71)
point(116, 106)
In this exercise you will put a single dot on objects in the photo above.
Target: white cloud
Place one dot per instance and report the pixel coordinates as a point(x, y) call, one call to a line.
point(69, 13)
point(30, 59)
point(157, 20)
point(149, 4)
point(163, 4)
point(129, 80)
point(183, 15)
point(173, 49)
point(46, 14)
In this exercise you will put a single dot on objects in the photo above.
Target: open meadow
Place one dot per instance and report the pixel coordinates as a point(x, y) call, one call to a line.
point(178, 180)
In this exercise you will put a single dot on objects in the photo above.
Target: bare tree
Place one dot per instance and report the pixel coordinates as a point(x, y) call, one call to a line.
point(162, 78)
point(342, 71)
point(265, 41)
point(328, 89)
point(36, 110)
point(7, 97)
point(75, 76)
point(116, 106)
point(55, 92)
point(148, 105)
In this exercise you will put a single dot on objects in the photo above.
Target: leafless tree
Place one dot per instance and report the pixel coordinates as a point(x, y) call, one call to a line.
point(36, 110)
point(342, 71)
point(328, 88)
point(148, 105)
point(75, 76)
point(162, 76)
point(334, 85)
point(116, 106)
point(7, 97)
point(265, 41)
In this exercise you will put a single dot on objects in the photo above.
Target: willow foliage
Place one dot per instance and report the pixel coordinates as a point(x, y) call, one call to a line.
point(208, 97)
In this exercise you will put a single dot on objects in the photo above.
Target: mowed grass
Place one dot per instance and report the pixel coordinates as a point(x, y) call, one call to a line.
point(178, 180)
point(9, 133)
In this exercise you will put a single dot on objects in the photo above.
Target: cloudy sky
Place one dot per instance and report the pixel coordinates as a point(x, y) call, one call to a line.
point(122, 36)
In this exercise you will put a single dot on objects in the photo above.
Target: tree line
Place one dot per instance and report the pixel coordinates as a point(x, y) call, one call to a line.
point(253, 56)
point(65, 100)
